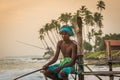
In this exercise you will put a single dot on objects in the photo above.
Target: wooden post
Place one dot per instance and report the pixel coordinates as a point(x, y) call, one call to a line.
point(110, 59)
point(78, 29)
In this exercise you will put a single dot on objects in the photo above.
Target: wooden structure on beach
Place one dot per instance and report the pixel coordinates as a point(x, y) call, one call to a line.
point(110, 45)
point(113, 44)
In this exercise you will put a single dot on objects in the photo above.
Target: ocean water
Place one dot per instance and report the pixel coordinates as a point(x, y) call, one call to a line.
point(13, 67)
point(12, 74)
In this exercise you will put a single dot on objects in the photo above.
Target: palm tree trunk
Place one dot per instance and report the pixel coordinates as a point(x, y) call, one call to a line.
point(46, 43)
point(83, 31)
point(54, 37)
point(95, 47)
point(57, 31)
point(57, 36)
point(51, 40)
point(43, 44)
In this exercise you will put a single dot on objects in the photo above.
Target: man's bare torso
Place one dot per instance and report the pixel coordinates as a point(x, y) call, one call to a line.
point(66, 48)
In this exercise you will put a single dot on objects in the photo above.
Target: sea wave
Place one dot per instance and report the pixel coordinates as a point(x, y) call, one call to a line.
point(13, 67)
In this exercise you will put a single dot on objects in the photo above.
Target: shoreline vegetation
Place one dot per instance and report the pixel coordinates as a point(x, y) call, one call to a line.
point(101, 57)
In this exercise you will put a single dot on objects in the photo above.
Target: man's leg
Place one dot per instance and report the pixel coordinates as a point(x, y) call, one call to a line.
point(63, 75)
point(65, 72)
point(50, 75)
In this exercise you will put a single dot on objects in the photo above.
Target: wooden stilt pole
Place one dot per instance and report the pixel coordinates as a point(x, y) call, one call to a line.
point(78, 29)
point(110, 59)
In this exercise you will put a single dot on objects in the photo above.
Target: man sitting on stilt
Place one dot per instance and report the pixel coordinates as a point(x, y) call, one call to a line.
point(69, 51)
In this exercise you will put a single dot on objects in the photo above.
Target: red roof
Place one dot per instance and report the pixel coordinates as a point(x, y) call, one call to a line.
point(113, 42)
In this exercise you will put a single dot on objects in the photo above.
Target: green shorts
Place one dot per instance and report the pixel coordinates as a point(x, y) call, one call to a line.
point(67, 70)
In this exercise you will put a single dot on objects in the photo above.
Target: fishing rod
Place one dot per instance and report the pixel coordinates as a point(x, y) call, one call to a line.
point(30, 44)
point(48, 48)
point(27, 74)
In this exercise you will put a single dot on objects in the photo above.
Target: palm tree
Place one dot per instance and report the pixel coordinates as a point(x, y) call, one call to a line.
point(56, 26)
point(89, 21)
point(41, 32)
point(89, 36)
point(42, 38)
point(82, 11)
point(100, 5)
point(97, 34)
point(98, 19)
point(89, 18)
point(73, 21)
point(65, 18)
point(51, 30)
point(47, 28)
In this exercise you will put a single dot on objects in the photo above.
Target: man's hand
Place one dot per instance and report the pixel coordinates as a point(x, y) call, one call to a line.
point(58, 69)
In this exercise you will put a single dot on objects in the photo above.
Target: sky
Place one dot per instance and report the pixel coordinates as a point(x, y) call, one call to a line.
point(20, 20)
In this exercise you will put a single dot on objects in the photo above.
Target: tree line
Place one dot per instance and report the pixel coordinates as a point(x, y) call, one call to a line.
point(92, 26)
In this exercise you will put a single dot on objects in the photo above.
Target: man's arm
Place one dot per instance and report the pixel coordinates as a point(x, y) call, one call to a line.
point(54, 59)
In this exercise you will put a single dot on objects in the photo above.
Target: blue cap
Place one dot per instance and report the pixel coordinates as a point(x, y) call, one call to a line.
point(68, 29)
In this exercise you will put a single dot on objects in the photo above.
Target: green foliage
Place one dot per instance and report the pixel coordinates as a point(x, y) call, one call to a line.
point(96, 54)
point(114, 53)
point(90, 20)
point(87, 46)
point(99, 53)
point(112, 36)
